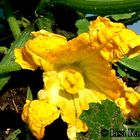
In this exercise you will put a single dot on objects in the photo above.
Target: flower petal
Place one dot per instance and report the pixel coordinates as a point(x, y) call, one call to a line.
point(102, 80)
point(71, 109)
point(74, 51)
point(72, 130)
point(97, 72)
point(38, 114)
point(25, 60)
point(113, 39)
point(130, 103)
point(50, 93)
point(37, 50)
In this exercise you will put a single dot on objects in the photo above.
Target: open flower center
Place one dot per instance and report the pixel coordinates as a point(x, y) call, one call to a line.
point(71, 80)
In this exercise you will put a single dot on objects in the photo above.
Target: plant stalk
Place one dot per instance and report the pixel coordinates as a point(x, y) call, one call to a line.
point(101, 7)
point(13, 24)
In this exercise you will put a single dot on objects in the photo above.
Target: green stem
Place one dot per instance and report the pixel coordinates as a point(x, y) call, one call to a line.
point(101, 7)
point(11, 19)
point(9, 68)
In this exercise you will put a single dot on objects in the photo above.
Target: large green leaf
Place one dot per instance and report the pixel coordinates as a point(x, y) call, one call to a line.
point(105, 122)
point(101, 118)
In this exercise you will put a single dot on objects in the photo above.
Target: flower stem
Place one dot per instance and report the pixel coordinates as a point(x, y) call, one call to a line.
point(13, 24)
point(101, 7)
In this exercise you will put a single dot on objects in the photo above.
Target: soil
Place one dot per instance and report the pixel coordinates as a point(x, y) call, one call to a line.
point(12, 100)
point(11, 104)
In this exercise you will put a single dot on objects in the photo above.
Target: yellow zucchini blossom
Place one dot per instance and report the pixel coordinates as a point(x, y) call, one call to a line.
point(78, 72)
point(38, 114)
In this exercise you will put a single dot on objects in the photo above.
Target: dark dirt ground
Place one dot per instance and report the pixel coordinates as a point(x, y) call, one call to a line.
point(12, 100)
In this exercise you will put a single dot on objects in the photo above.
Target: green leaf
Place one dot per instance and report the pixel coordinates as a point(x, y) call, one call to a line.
point(24, 22)
point(101, 118)
point(122, 16)
point(129, 68)
point(127, 73)
point(82, 26)
point(121, 71)
point(9, 58)
point(13, 135)
point(46, 22)
point(3, 49)
point(132, 131)
point(133, 63)
point(29, 95)
point(9, 68)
